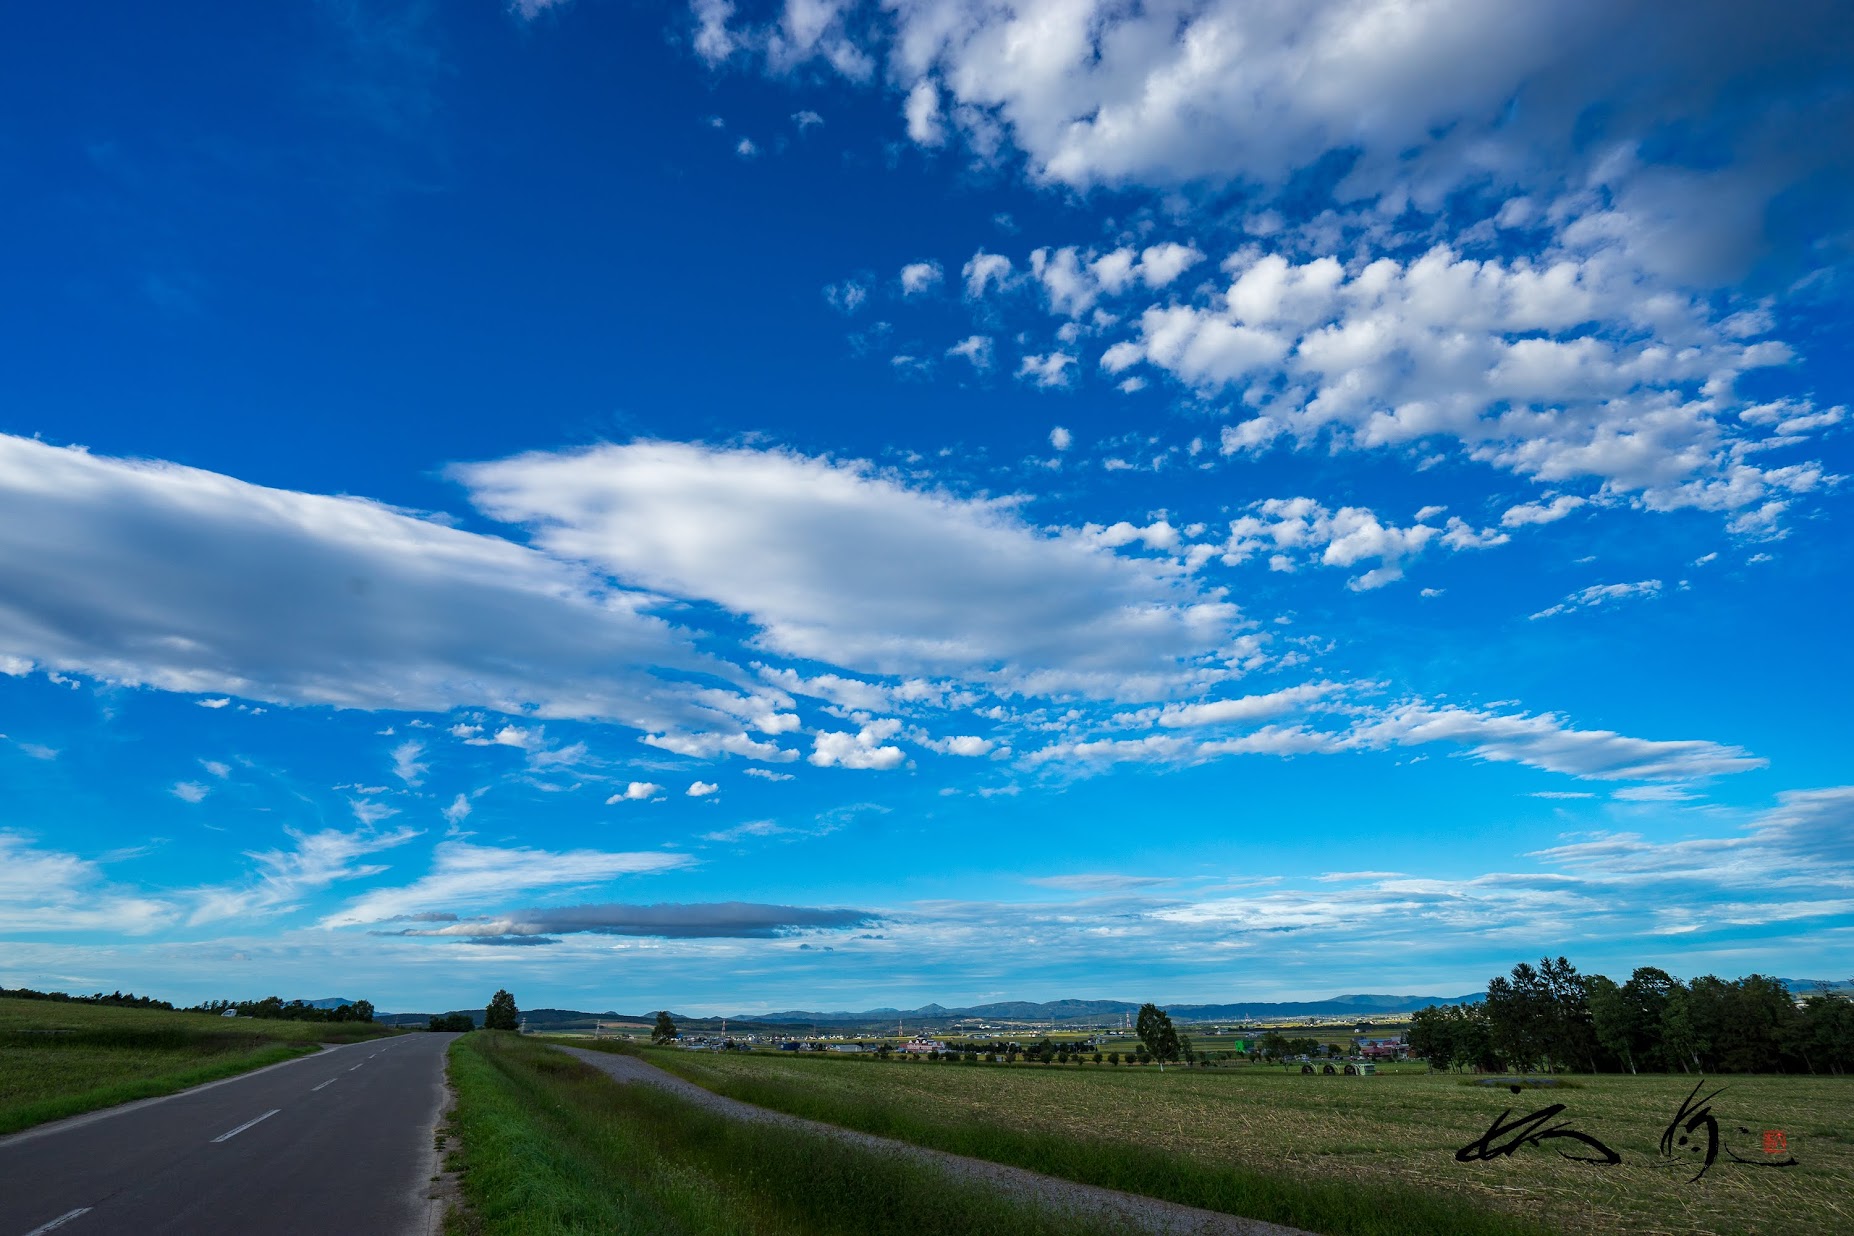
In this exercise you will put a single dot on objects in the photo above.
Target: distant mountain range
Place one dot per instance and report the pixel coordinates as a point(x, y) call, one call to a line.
point(930, 1016)
point(1096, 1010)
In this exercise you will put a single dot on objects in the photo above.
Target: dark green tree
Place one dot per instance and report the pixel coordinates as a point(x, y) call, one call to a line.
point(1155, 1030)
point(665, 1030)
point(502, 1013)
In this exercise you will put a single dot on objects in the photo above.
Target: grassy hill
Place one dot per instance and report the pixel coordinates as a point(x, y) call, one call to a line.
point(60, 1058)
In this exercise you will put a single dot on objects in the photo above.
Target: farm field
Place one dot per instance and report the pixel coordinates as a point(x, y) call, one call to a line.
point(544, 1145)
point(1389, 1139)
point(58, 1059)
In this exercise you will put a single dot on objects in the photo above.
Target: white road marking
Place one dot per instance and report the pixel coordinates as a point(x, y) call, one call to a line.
point(331, 1081)
point(225, 1137)
point(357, 1066)
point(60, 1221)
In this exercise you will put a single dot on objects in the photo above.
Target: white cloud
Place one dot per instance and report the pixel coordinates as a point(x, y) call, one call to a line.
point(151, 574)
point(984, 272)
point(922, 112)
point(1603, 594)
point(847, 297)
point(459, 810)
point(1544, 741)
point(753, 828)
point(1556, 507)
point(636, 791)
point(864, 749)
point(216, 768)
point(371, 811)
point(1421, 102)
point(528, 10)
point(1245, 708)
point(917, 277)
point(406, 765)
point(714, 42)
point(969, 745)
point(976, 349)
point(1061, 438)
point(767, 774)
point(1048, 370)
point(806, 119)
point(833, 562)
point(1571, 367)
point(284, 877)
point(746, 149)
point(707, 746)
point(52, 891)
point(220, 702)
point(1293, 529)
point(1547, 741)
point(701, 789)
point(190, 791)
point(465, 875)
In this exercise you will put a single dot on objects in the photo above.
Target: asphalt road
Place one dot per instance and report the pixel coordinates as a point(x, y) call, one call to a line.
point(338, 1142)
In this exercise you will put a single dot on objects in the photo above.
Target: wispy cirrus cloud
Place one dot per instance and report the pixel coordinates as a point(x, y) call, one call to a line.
point(464, 875)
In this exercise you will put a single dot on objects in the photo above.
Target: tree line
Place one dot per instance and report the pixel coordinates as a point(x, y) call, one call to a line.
point(1551, 1018)
point(270, 1007)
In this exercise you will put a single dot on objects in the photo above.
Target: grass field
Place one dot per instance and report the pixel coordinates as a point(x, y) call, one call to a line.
point(548, 1146)
point(1202, 1136)
point(58, 1059)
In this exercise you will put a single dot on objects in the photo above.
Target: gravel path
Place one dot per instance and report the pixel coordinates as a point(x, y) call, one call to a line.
point(1135, 1213)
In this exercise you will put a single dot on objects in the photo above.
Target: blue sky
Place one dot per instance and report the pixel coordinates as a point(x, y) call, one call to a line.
point(751, 506)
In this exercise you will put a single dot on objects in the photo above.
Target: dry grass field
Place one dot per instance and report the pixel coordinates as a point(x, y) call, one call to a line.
point(1395, 1129)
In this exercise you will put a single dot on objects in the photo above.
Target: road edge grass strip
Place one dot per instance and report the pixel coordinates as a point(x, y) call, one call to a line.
point(45, 1110)
point(1333, 1207)
point(547, 1144)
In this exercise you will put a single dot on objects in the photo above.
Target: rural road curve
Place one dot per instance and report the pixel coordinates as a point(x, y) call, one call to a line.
point(1137, 1214)
point(337, 1142)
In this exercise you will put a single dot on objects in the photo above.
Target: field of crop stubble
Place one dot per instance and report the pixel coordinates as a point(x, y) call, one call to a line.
point(1392, 1137)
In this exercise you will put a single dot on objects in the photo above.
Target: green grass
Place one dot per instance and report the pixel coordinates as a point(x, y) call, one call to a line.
point(1336, 1154)
point(61, 1059)
point(548, 1145)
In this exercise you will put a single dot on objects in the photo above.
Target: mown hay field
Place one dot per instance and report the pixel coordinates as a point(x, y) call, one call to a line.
point(59, 1058)
point(1399, 1128)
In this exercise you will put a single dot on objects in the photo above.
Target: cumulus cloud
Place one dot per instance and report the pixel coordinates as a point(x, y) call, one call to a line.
point(190, 791)
point(1570, 368)
point(984, 272)
point(863, 749)
point(151, 574)
point(1047, 370)
point(1423, 103)
point(636, 792)
point(922, 112)
point(1293, 529)
point(918, 277)
point(834, 562)
point(738, 920)
point(701, 789)
point(975, 350)
point(463, 875)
